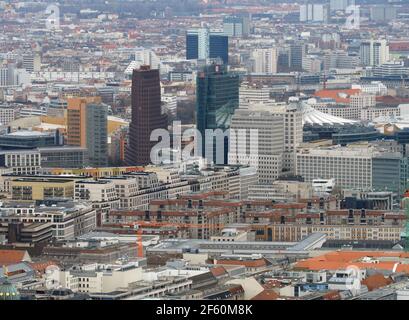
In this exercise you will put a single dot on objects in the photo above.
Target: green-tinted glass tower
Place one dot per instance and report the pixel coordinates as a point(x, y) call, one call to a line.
point(96, 134)
point(217, 96)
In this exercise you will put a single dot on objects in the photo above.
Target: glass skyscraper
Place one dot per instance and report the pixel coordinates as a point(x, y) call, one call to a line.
point(217, 96)
point(204, 44)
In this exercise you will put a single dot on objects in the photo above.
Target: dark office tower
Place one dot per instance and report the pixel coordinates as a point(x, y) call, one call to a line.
point(146, 115)
point(217, 96)
point(204, 43)
point(297, 53)
point(219, 47)
point(283, 60)
point(192, 46)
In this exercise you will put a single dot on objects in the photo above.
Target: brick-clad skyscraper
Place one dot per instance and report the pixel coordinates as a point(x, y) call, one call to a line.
point(146, 115)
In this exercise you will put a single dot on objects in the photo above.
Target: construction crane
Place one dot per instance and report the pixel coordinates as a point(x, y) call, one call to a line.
point(156, 224)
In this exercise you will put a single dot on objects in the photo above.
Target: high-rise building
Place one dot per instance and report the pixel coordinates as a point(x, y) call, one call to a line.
point(270, 141)
point(87, 127)
point(374, 52)
point(312, 64)
point(142, 57)
point(265, 60)
point(32, 62)
point(340, 5)
point(217, 96)
point(146, 115)
point(314, 13)
point(339, 59)
point(236, 26)
point(97, 136)
point(4, 77)
point(204, 43)
point(383, 13)
point(8, 75)
point(297, 53)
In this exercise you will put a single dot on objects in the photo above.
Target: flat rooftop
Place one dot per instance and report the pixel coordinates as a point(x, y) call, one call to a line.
point(245, 247)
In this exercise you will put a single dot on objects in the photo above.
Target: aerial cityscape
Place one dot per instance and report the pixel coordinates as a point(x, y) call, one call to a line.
point(181, 150)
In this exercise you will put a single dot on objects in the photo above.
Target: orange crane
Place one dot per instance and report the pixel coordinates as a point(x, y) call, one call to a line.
point(156, 224)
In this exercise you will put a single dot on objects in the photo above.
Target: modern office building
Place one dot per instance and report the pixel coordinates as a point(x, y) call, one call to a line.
point(339, 59)
point(293, 134)
point(32, 62)
point(312, 64)
point(26, 139)
point(97, 136)
point(28, 189)
point(64, 157)
point(361, 101)
point(376, 88)
point(267, 155)
point(391, 68)
point(21, 161)
point(234, 26)
point(217, 96)
point(374, 52)
point(340, 5)
point(7, 114)
point(76, 120)
point(361, 167)
point(101, 193)
point(204, 43)
point(146, 115)
point(314, 13)
point(297, 51)
point(383, 13)
point(87, 127)
point(256, 93)
point(265, 60)
point(68, 219)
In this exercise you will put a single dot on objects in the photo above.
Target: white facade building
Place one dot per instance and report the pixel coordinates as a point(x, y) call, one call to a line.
point(374, 52)
point(21, 161)
point(265, 60)
point(269, 128)
point(375, 87)
point(7, 115)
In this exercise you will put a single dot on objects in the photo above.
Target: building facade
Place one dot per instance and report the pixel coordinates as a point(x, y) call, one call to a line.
point(146, 115)
point(217, 96)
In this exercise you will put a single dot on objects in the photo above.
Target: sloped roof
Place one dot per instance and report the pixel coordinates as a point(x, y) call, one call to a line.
point(340, 96)
point(13, 256)
point(218, 271)
point(266, 295)
point(376, 281)
point(343, 259)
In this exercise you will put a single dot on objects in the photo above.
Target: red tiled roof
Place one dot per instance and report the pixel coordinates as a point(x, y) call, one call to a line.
point(42, 266)
point(337, 95)
point(11, 256)
point(266, 295)
point(343, 259)
point(218, 271)
point(332, 295)
point(271, 284)
point(376, 281)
